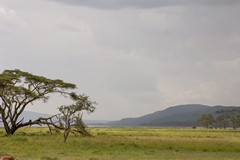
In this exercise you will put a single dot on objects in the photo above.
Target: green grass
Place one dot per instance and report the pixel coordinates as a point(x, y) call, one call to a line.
point(124, 144)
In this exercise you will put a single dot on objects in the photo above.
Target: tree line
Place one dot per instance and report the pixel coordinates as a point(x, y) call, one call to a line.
point(221, 119)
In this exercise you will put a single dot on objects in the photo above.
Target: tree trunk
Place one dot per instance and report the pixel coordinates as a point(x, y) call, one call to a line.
point(66, 133)
point(6, 127)
point(10, 131)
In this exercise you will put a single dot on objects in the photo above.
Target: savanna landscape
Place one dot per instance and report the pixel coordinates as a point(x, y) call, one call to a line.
point(124, 143)
point(65, 136)
point(119, 80)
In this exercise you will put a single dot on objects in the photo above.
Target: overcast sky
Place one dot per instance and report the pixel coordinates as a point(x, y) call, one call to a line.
point(131, 56)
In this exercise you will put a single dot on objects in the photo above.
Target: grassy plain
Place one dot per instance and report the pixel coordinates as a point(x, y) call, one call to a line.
point(124, 144)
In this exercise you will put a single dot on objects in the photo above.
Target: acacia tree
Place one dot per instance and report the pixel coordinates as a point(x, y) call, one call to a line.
point(235, 118)
point(206, 120)
point(222, 118)
point(70, 117)
point(222, 121)
point(231, 116)
point(18, 89)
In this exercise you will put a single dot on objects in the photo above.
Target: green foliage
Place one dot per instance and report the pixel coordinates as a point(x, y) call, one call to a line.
point(18, 89)
point(207, 120)
point(70, 117)
point(223, 118)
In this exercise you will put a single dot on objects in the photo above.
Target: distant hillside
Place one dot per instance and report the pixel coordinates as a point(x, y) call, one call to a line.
point(96, 123)
point(182, 115)
point(28, 115)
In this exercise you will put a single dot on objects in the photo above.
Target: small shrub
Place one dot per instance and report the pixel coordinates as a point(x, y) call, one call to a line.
point(102, 134)
point(205, 150)
point(170, 148)
point(22, 133)
point(49, 158)
point(21, 139)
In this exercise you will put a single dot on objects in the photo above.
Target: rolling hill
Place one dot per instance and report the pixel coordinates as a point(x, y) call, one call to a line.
point(177, 116)
point(29, 115)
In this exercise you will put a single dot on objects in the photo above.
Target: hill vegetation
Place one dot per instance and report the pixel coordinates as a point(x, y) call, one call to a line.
point(177, 116)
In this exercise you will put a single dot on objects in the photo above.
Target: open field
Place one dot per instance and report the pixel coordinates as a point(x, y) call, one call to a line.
point(124, 144)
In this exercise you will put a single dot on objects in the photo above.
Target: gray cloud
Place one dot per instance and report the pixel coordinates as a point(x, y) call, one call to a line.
point(69, 28)
point(130, 59)
point(118, 4)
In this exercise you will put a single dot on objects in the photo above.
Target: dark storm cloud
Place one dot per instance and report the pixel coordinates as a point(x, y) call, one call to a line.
point(118, 4)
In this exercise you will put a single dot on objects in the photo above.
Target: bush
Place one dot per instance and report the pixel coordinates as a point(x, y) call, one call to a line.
point(49, 158)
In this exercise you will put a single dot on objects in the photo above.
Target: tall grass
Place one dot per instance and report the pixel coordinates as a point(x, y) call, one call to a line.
point(123, 143)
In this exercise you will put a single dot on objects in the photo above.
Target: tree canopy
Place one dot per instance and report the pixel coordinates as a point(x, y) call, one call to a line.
point(223, 118)
point(18, 89)
point(70, 117)
point(206, 120)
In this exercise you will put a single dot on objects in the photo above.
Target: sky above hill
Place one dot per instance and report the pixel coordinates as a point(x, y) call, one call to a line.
point(131, 56)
